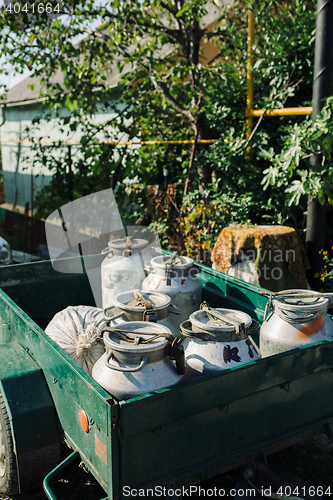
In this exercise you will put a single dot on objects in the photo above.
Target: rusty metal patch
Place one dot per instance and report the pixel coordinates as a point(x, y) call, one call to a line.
point(101, 449)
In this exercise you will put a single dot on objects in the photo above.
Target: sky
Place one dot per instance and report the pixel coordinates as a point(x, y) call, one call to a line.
point(11, 79)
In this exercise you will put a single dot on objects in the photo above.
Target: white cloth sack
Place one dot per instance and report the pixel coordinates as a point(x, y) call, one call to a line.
point(246, 271)
point(77, 331)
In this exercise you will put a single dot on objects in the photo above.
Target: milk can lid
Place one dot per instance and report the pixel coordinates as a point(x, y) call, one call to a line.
point(205, 320)
point(137, 336)
point(135, 244)
point(127, 300)
point(179, 262)
point(300, 300)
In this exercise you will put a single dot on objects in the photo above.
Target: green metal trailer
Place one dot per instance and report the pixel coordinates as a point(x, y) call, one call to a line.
point(172, 437)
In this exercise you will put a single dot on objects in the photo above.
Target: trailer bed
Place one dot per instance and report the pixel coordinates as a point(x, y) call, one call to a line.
point(177, 436)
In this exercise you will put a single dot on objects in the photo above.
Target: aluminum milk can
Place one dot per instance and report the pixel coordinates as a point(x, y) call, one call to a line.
point(217, 339)
point(123, 267)
point(294, 318)
point(140, 357)
point(136, 305)
point(177, 277)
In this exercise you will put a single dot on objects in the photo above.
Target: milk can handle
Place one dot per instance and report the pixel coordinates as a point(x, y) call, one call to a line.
point(129, 369)
point(195, 269)
point(107, 250)
point(330, 297)
point(173, 309)
point(149, 268)
point(111, 318)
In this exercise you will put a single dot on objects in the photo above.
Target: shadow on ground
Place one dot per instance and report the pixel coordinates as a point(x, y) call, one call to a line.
point(310, 460)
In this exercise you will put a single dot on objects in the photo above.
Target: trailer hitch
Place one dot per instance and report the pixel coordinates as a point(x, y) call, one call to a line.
point(51, 475)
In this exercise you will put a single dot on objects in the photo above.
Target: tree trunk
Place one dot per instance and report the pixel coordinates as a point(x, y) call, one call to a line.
point(322, 87)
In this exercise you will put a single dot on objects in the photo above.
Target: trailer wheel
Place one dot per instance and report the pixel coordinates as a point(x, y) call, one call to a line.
point(8, 468)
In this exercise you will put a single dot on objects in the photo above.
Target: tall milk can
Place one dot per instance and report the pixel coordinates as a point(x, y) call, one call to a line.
point(175, 276)
point(294, 318)
point(123, 267)
point(218, 339)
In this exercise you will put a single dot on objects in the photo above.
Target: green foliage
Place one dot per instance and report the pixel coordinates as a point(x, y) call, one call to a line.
point(326, 274)
point(168, 91)
point(305, 163)
point(203, 217)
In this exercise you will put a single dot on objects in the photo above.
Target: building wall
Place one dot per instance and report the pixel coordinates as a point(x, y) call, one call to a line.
point(21, 179)
point(17, 172)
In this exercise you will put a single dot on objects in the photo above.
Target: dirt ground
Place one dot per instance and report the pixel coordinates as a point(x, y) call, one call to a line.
point(310, 460)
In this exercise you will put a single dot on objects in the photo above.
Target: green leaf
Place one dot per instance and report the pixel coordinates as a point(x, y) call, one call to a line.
point(296, 190)
point(327, 143)
point(270, 177)
point(70, 104)
point(180, 12)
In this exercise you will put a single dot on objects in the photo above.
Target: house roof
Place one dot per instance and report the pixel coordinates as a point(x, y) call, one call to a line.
point(22, 93)
point(28, 90)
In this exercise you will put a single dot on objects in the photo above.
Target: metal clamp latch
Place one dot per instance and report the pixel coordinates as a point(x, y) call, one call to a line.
point(168, 268)
point(176, 353)
point(150, 315)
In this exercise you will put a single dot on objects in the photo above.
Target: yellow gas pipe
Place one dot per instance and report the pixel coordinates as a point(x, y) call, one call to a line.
point(250, 112)
point(249, 76)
